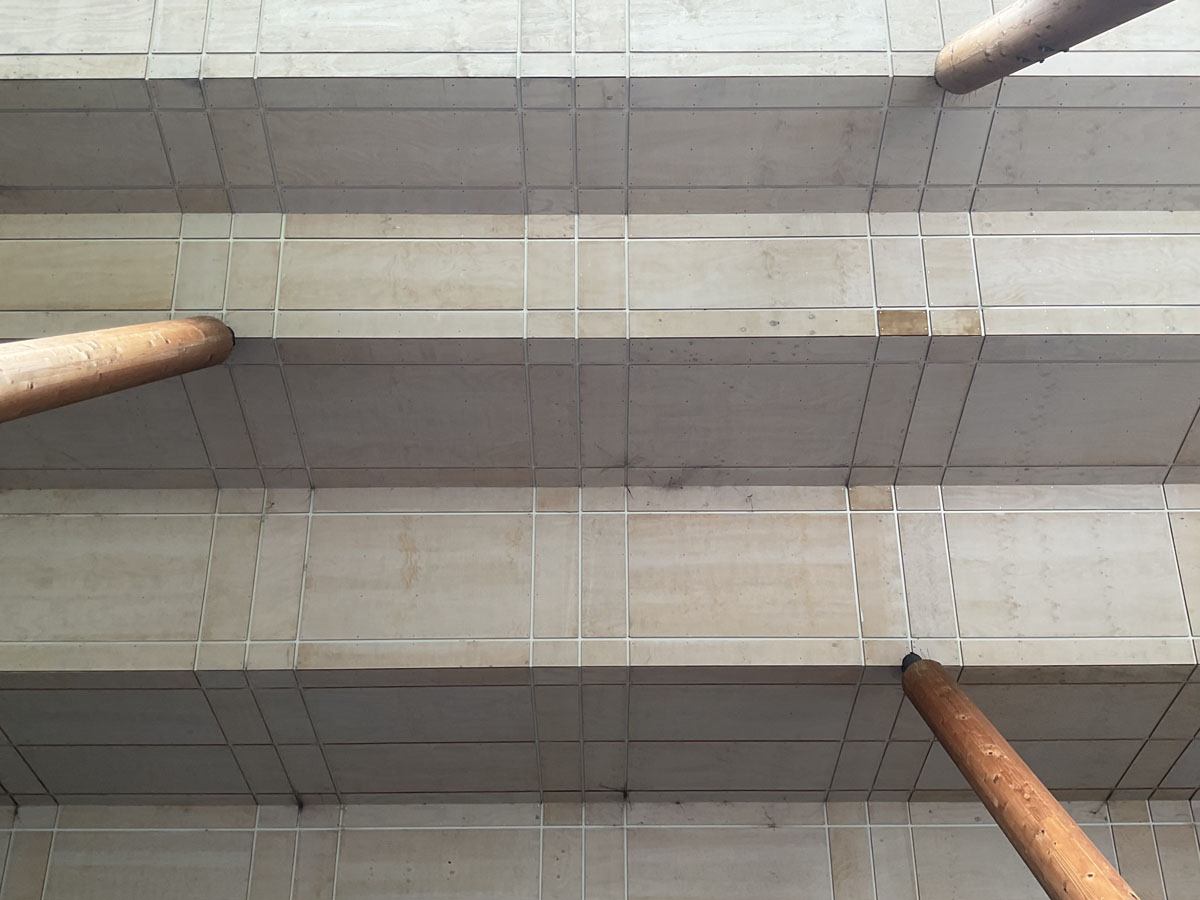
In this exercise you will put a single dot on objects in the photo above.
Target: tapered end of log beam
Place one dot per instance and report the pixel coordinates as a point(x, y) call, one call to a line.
point(1058, 853)
point(1028, 32)
point(47, 373)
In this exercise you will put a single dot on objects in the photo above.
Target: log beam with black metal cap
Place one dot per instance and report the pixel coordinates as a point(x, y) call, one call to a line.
point(1061, 857)
point(1028, 32)
point(45, 373)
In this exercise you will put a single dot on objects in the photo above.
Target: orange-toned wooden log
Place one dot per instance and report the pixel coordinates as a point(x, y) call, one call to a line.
point(1062, 858)
point(46, 373)
point(1028, 32)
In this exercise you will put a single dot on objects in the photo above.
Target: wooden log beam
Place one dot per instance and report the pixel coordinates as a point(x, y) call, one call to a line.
point(1025, 33)
point(46, 373)
point(1061, 857)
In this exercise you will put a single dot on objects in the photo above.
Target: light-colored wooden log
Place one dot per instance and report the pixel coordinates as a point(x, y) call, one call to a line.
point(46, 373)
point(1062, 858)
point(1025, 33)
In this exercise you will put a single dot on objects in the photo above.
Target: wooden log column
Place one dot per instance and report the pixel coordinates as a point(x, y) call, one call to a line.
point(1062, 858)
point(46, 373)
point(1025, 33)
